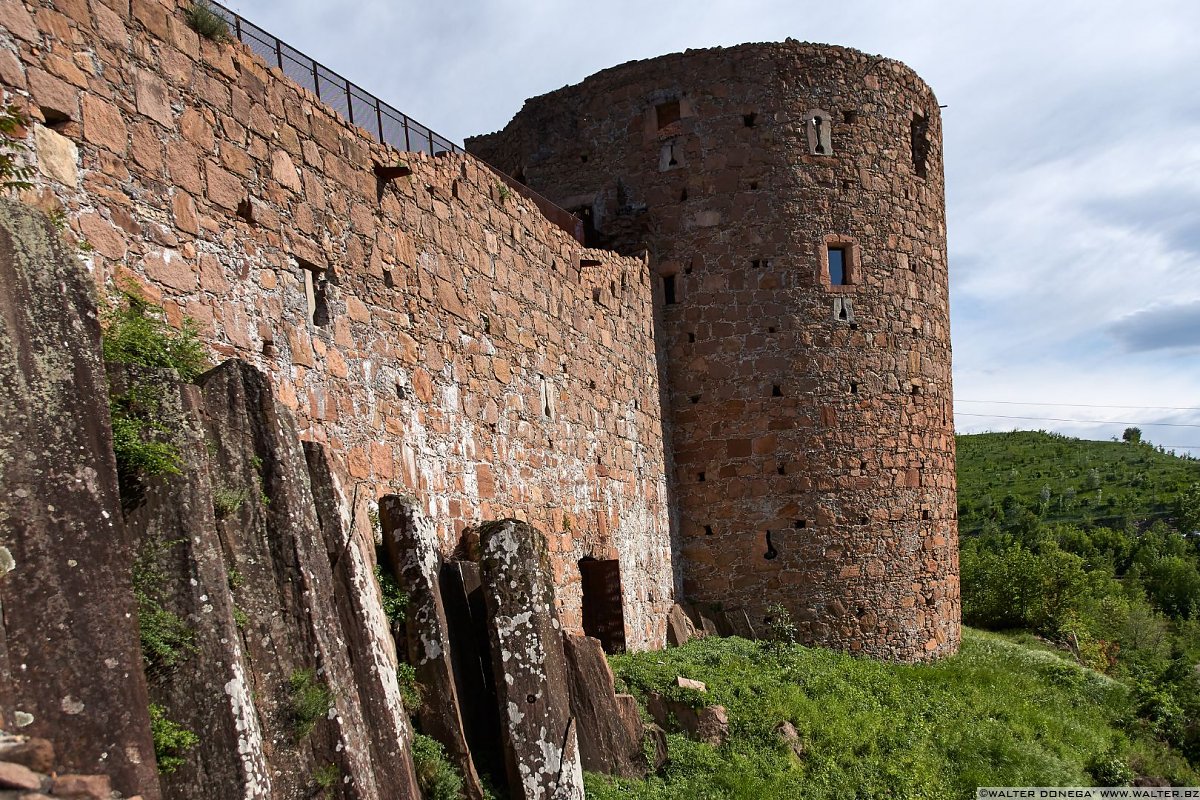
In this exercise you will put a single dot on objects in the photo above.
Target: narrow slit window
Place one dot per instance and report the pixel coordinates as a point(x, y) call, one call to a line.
point(776, 390)
point(700, 477)
point(919, 139)
point(669, 290)
point(838, 275)
point(316, 286)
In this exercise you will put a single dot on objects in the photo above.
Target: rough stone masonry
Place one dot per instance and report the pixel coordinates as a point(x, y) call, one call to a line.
point(781, 213)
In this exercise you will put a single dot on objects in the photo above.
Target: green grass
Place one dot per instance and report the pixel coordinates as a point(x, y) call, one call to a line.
point(1087, 482)
point(997, 714)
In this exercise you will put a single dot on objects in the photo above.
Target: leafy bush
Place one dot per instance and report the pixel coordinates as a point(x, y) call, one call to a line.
point(326, 777)
point(171, 740)
point(136, 333)
point(410, 690)
point(204, 20)
point(309, 701)
point(227, 501)
point(166, 638)
point(438, 778)
point(395, 599)
point(13, 175)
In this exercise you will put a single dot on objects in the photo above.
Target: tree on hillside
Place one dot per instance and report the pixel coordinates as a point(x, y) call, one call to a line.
point(1132, 435)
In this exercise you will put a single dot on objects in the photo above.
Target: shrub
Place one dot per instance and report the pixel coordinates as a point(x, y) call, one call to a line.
point(327, 776)
point(171, 740)
point(395, 599)
point(411, 691)
point(438, 778)
point(227, 501)
point(309, 701)
point(135, 333)
point(166, 638)
point(204, 20)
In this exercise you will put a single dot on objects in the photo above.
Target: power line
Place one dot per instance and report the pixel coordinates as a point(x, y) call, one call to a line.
point(1087, 421)
point(1082, 405)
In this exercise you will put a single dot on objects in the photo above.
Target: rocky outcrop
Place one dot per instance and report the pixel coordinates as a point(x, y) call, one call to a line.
point(27, 770)
point(539, 736)
point(411, 545)
point(350, 543)
point(288, 669)
point(610, 738)
point(69, 615)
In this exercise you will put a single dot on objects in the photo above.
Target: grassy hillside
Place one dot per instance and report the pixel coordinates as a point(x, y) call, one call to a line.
point(1066, 480)
point(997, 714)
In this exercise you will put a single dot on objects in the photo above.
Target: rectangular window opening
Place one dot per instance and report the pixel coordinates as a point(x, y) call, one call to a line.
point(316, 286)
point(666, 113)
point(669, 290)
point(700, 477)
point(919, 140)
point(776, 391)
point(837, 266)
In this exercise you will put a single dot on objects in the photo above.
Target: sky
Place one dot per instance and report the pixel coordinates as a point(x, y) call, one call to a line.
point(1072, 158)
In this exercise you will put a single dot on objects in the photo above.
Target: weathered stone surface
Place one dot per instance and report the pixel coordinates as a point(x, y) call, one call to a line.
point(791, 737)
point(442, 294)
point(606, 743)
point(16, 776)
point(275, 543)
point(174, 524)
point(708, 724)
point(32, 752)
point(688, 683)
point(411, 544)
point(658, 738)
point(631, 718)
point(680, 629)
point(57, 156)
point(350, 544)
point(60, 522)
point(736, 622)
point(813, 446)
point(82, 787)
point(471, 658)
point(529, 663)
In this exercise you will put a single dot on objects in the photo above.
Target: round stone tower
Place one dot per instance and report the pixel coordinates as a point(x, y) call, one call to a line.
point(792, 200)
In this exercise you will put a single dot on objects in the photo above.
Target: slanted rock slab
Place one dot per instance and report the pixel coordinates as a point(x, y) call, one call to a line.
point(607, 742)
point(529, 663)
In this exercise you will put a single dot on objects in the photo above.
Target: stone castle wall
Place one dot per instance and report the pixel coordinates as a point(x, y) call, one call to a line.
point(810, 424)
point(449, 343)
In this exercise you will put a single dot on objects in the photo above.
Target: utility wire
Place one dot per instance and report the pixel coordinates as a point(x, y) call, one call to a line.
point(1082, 405)
point(1089, 421)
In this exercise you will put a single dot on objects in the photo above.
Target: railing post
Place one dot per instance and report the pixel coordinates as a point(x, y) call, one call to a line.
point(349, 101)
point(237, 26)
point(316, 79)
point(407, 145)
point(379, 121)
point(278, 52)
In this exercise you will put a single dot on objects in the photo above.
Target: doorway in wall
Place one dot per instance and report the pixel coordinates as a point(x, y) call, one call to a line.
point(603, 609)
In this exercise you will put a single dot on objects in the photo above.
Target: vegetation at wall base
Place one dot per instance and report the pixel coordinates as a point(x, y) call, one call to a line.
point(999, 713)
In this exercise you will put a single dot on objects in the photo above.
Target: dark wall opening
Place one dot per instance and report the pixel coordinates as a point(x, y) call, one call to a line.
point(603, 612)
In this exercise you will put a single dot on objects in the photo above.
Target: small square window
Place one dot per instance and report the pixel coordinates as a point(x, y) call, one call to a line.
point(838, 275)
point(667, 113)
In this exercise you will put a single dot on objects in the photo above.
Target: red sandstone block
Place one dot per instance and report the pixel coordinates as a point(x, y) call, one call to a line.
point(103, 125)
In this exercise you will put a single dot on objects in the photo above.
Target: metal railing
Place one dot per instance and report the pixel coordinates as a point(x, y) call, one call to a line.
point(383, 122)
